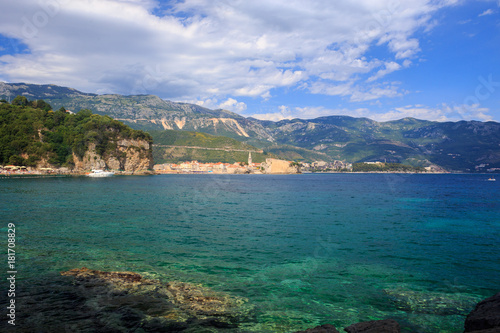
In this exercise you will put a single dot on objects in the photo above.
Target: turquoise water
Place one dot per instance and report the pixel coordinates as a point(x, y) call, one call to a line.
point(304, 249)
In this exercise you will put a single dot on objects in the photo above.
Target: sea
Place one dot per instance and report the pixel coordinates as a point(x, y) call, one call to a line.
point(303, 250)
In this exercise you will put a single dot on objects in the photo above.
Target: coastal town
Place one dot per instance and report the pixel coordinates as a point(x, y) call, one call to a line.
point(270, 166)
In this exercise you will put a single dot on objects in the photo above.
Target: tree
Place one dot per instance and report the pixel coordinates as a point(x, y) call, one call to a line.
point(16, 160)
point(20, 100)
point(42, 105)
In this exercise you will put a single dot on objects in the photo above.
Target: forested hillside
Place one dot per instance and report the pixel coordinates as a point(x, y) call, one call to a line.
point(31, 132)
point(172, 146)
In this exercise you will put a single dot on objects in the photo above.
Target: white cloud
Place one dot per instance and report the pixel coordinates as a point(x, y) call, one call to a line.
point(440, 113)
point(358, 93)
point(303, 113)
point(233, 105)
point(230, 104)
point(487, 12)
point(389, 68)
point(243, 48)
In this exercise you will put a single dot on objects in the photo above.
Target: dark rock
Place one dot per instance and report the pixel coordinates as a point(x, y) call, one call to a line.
point(488, 330)
point(124, 300)
point(376, 326)
point(90, 274)
point(485, 316)
point(327, 328)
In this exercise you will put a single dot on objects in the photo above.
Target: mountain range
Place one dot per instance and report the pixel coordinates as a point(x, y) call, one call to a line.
point(466, 146)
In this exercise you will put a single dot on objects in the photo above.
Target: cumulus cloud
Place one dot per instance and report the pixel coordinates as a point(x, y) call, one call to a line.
point(230, 104)
point(233, 105)
point(284, 112)
point(198, 50)
point(440, 113)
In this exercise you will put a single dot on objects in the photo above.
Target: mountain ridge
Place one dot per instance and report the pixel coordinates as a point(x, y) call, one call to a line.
point(466, 146)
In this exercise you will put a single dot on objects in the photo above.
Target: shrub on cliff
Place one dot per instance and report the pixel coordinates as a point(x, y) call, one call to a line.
point(31, 131)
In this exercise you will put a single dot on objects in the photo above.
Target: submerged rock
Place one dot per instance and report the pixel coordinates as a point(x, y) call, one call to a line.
point(327, 328)
point(129, 301)
point(431, 302)
point(375, 326)
point(485, 317)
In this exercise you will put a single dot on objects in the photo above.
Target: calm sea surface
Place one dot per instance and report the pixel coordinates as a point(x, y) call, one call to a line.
point(304, 249)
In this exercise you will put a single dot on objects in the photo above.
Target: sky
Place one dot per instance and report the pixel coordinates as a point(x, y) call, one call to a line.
point(269, 59)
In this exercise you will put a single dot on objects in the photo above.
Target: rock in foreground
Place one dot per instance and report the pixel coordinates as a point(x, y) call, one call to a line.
point(131, 301)
point(375, 326)
point(485, 317)
point(327, 328)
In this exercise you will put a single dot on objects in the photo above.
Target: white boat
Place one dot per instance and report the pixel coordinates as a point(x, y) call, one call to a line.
point(492, 179)
point(100, 173)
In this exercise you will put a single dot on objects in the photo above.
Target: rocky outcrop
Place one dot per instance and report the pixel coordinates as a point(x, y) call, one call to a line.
point(327, 328)
point(128, 299)
point(375, 326)
point(485, 318)
point(275, 166)
point(130, 156)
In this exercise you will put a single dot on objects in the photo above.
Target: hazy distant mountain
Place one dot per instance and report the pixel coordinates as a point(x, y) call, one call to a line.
point(463, 146)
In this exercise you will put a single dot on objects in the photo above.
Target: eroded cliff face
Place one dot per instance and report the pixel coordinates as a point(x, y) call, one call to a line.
point(275, 166)
point(130, 156)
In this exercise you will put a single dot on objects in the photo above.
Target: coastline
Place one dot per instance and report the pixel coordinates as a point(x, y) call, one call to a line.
point(35, 173)
point(50, 172)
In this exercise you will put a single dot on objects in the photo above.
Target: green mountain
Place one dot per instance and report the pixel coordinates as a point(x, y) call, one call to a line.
point(173, 146)
point(462, 146)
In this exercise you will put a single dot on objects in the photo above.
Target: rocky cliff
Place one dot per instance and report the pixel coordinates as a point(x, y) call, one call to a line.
point(275, 166)
point(130, 156)
point(37, 138)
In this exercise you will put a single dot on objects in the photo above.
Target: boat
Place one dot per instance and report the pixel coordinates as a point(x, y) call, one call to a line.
point(100, 173)
point(491, 179)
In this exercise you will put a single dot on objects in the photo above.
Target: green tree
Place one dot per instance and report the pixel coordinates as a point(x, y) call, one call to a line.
point(42, 105)
point(20, 101)
point(16, 160)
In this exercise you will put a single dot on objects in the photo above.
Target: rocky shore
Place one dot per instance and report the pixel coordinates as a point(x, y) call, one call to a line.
point(485, 318)
point(86, 300)
point(179, 306)
point(131, 302)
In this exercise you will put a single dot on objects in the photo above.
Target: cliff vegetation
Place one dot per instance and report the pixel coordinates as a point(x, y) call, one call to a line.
point(32, 134)
point(385, 167)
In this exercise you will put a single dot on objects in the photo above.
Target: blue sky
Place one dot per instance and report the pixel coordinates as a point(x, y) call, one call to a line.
point(270, 59)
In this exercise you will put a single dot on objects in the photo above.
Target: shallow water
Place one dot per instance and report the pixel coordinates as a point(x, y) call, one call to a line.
point(304, 249)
